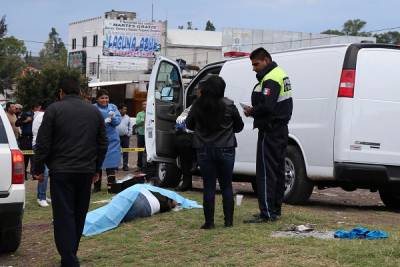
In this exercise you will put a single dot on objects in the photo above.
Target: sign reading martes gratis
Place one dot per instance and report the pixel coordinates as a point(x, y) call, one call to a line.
point(131, 38)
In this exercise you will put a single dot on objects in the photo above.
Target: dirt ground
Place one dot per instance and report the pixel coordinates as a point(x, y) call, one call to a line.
point(360, 206)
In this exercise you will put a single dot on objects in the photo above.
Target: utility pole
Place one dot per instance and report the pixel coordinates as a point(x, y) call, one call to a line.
point(152, 12)
point(98, 68)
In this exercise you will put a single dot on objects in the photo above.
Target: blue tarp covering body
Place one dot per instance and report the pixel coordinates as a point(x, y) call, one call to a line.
point(361, 233)
point(110, 215)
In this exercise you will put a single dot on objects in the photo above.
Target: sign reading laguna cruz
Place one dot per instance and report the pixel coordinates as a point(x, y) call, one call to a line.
point(131, 38)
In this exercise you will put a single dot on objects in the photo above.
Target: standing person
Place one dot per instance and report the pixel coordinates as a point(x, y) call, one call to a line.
point(184, 149)
point(112, 118)
point(18, 110)
point(271, 109)
point(125, 132)
point(12, 117)
point(215, 120)
point(72, 143)
point(25, 140)
point(42, 185)
point(140, 120)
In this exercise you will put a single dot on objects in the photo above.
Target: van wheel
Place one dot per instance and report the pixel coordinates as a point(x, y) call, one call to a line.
point(11, 238)
point(298, 187)
point(169, 175)
point(390, 196)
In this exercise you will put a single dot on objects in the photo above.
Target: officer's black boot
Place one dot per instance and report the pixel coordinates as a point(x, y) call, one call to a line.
point(228, 206)
point(208, 209)
point(186, 183)
point(110, 179)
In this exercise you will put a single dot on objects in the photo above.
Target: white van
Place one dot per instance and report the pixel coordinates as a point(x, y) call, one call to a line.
point(343, 131)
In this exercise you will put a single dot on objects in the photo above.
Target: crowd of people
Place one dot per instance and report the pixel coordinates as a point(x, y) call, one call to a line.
point(74, 141)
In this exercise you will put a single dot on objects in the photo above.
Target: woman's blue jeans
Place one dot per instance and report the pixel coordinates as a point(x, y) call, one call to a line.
point(42, 186)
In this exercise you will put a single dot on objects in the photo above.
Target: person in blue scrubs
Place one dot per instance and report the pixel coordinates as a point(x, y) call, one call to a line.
point(112, 118)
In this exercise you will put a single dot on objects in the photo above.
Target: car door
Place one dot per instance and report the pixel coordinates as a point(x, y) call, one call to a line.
point(164, 105)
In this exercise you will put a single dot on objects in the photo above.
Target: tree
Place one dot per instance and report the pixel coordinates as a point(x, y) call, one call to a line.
point(391, 37)
point(11, 62)
point(54, 51)
point(353, 27)
point(36, 87)
point(333, 32)
point(350, 27)
point(181, 27)
point(210, 26)
point(3, 27)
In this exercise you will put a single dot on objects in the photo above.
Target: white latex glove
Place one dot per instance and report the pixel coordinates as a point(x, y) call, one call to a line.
point(181, 119)
point(111, 114)
point(107, 120)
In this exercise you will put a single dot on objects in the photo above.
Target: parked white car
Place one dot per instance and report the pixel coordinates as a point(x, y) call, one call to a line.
point(343, 131)
point(12, 187)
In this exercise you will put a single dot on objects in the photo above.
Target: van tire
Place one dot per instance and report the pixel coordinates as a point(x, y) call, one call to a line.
point(10, 238)
point(298, 188)
point(390, 196)
point(168, 175)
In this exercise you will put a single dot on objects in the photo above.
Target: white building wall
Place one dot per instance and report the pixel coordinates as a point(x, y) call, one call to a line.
point(246, 40)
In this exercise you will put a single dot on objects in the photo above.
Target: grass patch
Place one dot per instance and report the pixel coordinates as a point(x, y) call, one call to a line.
point(174, 239)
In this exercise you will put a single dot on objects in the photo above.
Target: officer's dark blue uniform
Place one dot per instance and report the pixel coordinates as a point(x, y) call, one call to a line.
point(272, 109)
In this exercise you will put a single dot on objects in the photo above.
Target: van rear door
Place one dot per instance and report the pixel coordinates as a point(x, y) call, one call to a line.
point(375, 129)
point(164, 105)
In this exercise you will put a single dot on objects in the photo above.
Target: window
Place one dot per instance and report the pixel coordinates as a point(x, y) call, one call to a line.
point(92, 68)
point(95, 40)
point(84, 42)
point(168, 84)
point(3, 134)
point(73, 44)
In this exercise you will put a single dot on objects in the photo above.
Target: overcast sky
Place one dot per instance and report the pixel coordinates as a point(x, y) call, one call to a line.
point(33, 19)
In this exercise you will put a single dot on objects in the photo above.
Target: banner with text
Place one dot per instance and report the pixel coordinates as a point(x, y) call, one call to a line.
point(131, 38)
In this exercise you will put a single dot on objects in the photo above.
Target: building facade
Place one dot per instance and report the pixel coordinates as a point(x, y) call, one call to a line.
point(115, 46)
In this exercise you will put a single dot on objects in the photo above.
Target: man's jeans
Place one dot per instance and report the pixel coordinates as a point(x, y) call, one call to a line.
point(42, 186)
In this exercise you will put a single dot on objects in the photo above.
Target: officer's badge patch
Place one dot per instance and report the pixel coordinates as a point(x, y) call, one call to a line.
point(267, 91)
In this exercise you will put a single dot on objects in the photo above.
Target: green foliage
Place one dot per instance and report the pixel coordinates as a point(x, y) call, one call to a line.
point(350, 27)
point(334, 32)
point(353, 27)
point(11, 62)
point(54, 52)
point(210, 26)
point(36, 87)
point(391, 37)
point(3, 27)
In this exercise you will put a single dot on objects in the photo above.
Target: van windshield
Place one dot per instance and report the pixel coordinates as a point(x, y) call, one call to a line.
point(3, 134)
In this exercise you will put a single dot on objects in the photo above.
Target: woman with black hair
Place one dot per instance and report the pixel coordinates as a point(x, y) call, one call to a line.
point(215, 120)
point(112, 118)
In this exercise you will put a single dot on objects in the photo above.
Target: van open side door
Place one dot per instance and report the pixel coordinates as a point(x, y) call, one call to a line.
point(164, 105)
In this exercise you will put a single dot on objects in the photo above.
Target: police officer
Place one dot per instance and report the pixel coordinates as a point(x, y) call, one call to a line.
point(271, 109)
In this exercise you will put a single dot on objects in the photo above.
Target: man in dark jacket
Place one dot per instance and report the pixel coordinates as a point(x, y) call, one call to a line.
point(72, 143)
point(25, 140)
point(271, 109)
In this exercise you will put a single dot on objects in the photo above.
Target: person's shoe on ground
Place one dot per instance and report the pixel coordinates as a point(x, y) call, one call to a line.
point(207, 226)
point(42, 203)
point(260, 219)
